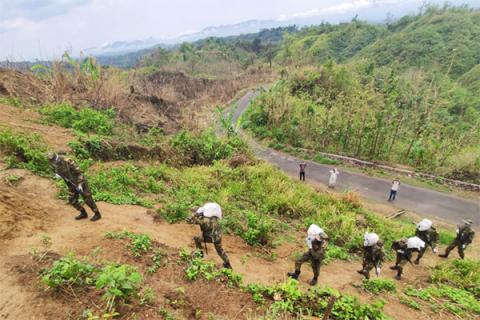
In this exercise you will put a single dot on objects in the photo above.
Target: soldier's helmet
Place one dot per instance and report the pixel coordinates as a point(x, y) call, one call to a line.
point(468, 222)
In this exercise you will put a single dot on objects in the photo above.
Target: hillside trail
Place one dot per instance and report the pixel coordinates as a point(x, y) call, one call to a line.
point(31, 209)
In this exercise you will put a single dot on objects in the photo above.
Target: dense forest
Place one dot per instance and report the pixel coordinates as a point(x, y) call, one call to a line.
point(403, 93)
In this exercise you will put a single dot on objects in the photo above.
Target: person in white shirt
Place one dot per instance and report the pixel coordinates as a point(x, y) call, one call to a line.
point(394, 189)
point(332, 181)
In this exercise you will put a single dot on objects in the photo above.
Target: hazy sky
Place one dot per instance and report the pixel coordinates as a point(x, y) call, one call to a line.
point(45, 28)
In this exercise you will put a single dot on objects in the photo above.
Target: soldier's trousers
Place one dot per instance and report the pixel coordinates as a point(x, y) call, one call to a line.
point(74, 198)
point(217, 244)
point(456, 243)
point(367, 267)
point(400, 262)
point(308, 257)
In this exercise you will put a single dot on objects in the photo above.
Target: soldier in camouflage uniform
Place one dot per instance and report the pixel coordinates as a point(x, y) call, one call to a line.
point(465, 235)
point(211, 233)
point(314, 256)
point(66, 169)
point(373, 257)
point(430, 237)
point(404, 255)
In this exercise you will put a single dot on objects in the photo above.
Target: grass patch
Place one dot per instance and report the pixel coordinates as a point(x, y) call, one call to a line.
point(376, 286)
point(459, 273)
point(24, 151)
point(86, 120)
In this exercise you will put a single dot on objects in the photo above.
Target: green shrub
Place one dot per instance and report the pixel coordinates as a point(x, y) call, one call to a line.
point(410, 303)
point(68, 271)
point(83, 120)
point(379, 285)
point(118, 282)
point(24, 151)
point(320, 159)
point(334, 252)
point(446, 237)
point(196, 267)
point(458, 273)
point(139, 242)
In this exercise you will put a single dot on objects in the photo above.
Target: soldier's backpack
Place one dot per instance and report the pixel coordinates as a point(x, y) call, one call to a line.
point(210, 210)
point(312, 232)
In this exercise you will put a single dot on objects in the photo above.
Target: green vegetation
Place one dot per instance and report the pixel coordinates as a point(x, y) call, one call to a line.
point(116, 281)
point(196, 267)
point(139, 242)
point(86, 120)
point(287, 298)
point(68, 271)
point(24, 151)
point(403, 94)
point(459, 273)
point(376, 286)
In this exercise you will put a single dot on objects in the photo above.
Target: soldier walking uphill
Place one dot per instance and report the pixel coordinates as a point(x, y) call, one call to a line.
point(373, 255)
point(207, 217)
point(66, 169)
point(465, 235)
point(427, 232)
point(317, 243)
point(404, 249)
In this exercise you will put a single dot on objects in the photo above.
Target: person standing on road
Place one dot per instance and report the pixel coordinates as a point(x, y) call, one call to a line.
point(332, 181)
point(66, 169)
point(302, 166)
point(394, 189)
point(465, 235)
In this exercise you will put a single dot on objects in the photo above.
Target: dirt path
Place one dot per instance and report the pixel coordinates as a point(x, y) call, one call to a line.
point(31, 209)
point(423, 201)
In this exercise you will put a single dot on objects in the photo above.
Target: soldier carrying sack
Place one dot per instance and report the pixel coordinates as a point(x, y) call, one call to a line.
point(404, 249)
point(207, 218)
point(317, 241)
point(373, 255)
point(427, 232)
point(66, 169)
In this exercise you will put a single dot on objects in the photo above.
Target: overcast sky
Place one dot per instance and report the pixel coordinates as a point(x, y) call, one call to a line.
point(44, 29)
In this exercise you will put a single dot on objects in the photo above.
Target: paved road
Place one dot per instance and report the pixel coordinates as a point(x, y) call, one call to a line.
point(423, 201)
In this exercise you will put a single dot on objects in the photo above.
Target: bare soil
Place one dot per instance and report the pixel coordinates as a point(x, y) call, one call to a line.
point(31, 208)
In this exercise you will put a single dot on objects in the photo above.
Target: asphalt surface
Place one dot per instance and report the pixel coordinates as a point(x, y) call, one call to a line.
point(425, 202)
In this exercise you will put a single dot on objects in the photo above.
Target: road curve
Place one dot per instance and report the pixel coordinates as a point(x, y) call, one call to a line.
point(422, 201)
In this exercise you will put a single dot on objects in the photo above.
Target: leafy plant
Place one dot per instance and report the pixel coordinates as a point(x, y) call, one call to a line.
point(139, 242)
point(379, 285)
point(24, 151)
point(68, 271)
point(458, 273)
point(118, 282)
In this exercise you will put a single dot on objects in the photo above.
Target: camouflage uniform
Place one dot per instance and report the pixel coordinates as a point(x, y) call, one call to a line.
point(210, 234)
point(67, 169)
point(373, 257)
point(404, 255)
point(314, 256)
point(465, 236)
point(430, 237)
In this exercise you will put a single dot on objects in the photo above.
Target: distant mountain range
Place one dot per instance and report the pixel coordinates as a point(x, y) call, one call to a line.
point(372, 11)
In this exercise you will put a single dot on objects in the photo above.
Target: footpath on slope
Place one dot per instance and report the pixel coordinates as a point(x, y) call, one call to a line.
point(422, 201)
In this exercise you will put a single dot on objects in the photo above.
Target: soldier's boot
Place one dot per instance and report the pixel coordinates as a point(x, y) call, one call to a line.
point(417, 261)
point(443, 255)
point(313, 281)
point(294, 275)
point(395, 267)
point(227, 265)
point(83, 215)
point(96, 216)
point(399, 273)
point(462, 255)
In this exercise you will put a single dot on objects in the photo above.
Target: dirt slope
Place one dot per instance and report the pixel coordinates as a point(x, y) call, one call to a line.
point(31, 208)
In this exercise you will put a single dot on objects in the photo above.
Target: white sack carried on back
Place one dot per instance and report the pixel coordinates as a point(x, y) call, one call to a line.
point(415, 243)
point(370, 239)
point(312, 232)
point(424, 225)
point(212, 210)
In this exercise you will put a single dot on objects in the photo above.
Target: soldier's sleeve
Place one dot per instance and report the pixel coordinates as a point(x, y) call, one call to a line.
point(471, 235)
point(76, 170)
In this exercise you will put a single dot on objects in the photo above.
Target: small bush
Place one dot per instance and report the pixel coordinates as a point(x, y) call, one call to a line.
point(83, 120)
point(139, 242)
point(118, 282)
point(379, 285)
point(68, 271)
point(334, 252)
point(24, 151)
